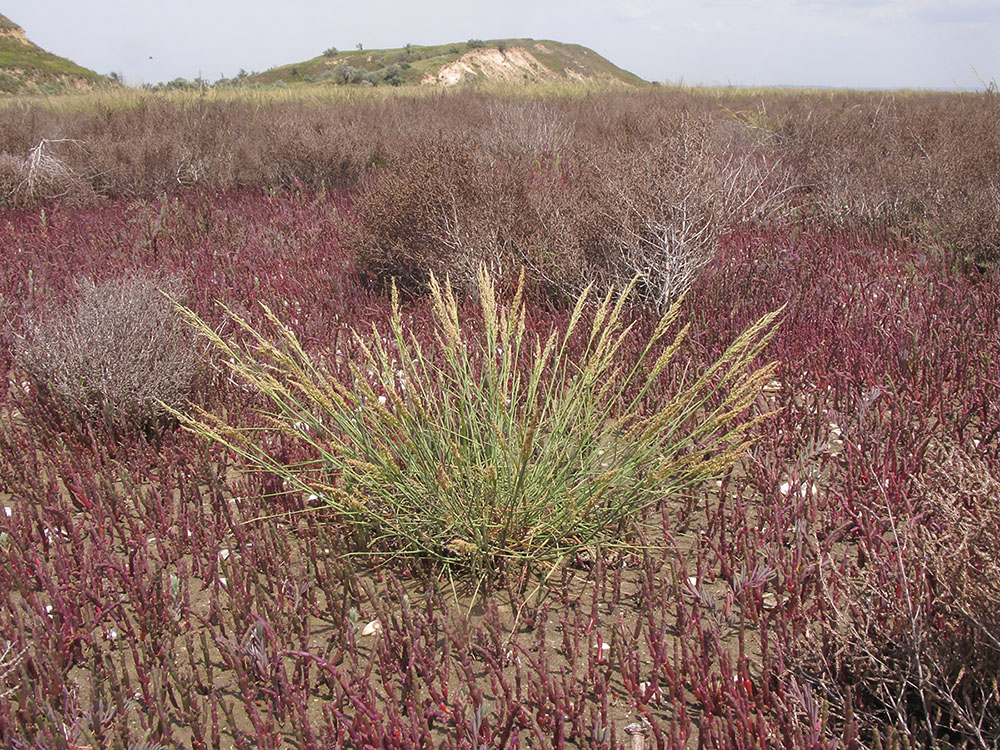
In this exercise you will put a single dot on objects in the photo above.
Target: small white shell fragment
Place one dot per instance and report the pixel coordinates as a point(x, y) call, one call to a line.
point(59, 535)
point(312, 498)
point(769, 601)
point(8, 511)
point(692, 582)
point(223, 580)
point(644, 687)
point(804, 489)
point(372, 628)
point(111, 634)
point(773, 387)
point(223, 554)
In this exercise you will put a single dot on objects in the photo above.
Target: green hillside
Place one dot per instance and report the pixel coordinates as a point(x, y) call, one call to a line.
point(26, 68)
point(495, 60)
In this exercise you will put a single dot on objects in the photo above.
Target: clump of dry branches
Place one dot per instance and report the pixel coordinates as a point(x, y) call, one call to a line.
point(118, 351)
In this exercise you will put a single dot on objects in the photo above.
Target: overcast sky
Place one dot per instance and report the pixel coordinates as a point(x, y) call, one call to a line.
point(845, 43)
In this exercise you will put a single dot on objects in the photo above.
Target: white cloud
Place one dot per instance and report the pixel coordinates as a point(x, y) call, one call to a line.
point(629, 11)
point(712, 26)
point(969, 12)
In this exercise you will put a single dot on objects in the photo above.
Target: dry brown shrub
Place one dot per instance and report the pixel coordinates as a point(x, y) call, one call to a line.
point(925, 165)
point(964, 195)
point(44, 173)
point(11, 173)
point(114, 353)
point(670, 202)
point(442, 208)
point(528, 127)
point(564, 233)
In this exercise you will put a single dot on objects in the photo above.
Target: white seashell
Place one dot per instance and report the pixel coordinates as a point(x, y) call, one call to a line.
point(7, 511)
point(223, 554)
point(223, 580)
point(372, 628)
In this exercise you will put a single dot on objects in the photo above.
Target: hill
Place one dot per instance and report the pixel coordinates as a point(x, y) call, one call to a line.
point(25, 68)
point(475, 61)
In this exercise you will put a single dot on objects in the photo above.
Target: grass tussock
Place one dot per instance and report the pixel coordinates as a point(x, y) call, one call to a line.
point(480, 450)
